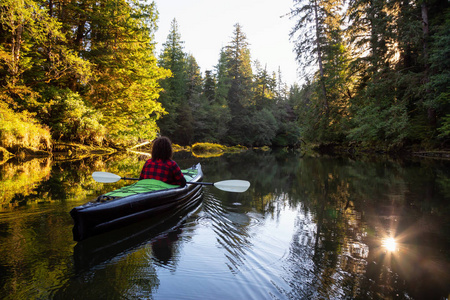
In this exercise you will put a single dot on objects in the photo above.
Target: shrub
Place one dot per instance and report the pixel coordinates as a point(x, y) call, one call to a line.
point(72, 120)
point(19, 130)
point(208, 148)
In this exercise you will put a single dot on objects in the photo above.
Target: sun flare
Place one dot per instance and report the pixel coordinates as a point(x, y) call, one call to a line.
point(389, 244)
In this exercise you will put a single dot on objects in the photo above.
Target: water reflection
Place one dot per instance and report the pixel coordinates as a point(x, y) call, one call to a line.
point(18, 180)
point(230, 229)
point(160, 232)
point(308, 228)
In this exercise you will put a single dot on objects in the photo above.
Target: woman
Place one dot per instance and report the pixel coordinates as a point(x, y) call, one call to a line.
point(161, 166)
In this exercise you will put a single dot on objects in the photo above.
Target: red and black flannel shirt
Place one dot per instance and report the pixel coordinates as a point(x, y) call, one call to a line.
point(167, 171)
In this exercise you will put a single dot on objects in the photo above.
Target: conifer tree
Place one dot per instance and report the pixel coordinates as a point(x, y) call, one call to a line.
point(264, 88)
point(318, 32)
point(209, 86)
point(223, 78)
point(239, 71)
point(240, 91)
point(126, 89)
point(172, 98)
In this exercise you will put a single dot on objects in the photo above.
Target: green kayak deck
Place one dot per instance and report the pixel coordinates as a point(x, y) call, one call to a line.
point(149, 185)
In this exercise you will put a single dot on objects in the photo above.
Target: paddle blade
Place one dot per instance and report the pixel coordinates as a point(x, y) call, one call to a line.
point(105, 177)
point(237, 186)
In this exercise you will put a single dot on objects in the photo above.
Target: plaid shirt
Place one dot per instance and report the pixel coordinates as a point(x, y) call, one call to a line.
point(167, 171)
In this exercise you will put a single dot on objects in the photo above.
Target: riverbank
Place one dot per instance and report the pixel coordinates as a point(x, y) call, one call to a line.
point(203, 150)
point(356, 149)
point(64, 151)
point(59, 150)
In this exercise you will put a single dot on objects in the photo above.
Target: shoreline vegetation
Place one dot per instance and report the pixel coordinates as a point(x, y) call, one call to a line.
point(67, 150)
point(79, 84)
point(63, 150)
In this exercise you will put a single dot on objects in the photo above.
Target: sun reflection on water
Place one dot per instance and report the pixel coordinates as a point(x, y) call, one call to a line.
point(389, 244)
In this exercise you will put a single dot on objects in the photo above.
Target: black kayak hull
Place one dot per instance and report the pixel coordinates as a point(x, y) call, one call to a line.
point(122, 241)
point(94, 217)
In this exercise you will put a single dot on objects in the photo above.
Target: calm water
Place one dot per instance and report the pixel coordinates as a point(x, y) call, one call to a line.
point(308, 228)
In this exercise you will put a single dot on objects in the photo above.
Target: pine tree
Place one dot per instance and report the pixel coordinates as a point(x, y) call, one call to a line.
point(264, 90)
point(318, 31)
point(439, 83)
point(209, 86)
point(240, 91)
point(223, 78)
point(34, 52)
point(173, 58)
point(125, 90)
point(239, 71)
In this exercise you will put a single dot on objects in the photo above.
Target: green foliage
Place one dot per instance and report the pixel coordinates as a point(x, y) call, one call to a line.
point(19, 130)
point(384, 80)
point(239, 72)
point(233, 106)
point(438, 87)
point(126, 87)
point(318, 31)
point(377, 124)
point(95, 61)
point(288, 134)
point(175, 87)
point(445, 127)
point(71, 119)
point(263, 128)
point(208, 148)
point(89, 73)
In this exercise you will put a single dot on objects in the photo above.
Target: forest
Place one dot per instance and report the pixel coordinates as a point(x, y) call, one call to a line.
point(377, 74)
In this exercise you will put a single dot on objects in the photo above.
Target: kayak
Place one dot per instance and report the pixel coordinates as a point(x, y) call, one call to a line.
point(134, 203)
point(122, 241)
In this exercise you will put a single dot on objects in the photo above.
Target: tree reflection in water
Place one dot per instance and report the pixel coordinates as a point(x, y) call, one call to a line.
point(308, 228)
point(345, 210)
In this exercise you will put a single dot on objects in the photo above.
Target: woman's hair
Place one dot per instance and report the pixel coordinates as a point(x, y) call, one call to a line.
point(162, 148)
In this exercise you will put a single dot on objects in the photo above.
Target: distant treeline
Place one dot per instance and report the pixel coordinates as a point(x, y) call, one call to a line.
point(87, 72)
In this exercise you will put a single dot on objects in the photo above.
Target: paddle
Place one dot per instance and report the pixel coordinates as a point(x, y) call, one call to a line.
point(237, 186)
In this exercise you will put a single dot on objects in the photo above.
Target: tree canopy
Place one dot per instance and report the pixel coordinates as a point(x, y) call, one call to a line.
point(376, 73)
point(376, 81)
point(85, 70)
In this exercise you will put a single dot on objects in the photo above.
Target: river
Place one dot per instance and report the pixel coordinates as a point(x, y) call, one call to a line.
point(308, 228)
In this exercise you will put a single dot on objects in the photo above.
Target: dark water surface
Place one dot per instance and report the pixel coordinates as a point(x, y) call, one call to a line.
point(308, 228)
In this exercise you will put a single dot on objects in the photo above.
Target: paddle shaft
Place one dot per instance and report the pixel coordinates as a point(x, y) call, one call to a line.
point(201, 183)
point(237, 186)
point(198, 183)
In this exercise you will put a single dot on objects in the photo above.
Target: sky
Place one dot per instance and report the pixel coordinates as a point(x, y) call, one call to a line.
point(206, 26)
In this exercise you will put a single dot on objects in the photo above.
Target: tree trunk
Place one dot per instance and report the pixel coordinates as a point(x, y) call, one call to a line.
point(431, 112)
point(319, 59)
point(15, 51)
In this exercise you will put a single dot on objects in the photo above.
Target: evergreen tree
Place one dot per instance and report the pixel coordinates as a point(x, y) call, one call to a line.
point(318, 31)
point(388, 101)
point(173, 98)
point(239, 70)
point(34, 53)
point(186, 119)
point(125, 90)
point(264, 88)
point(212, 114)
point(223, 78)
point(309, 37)
point(439, 83)
point(209, 86)
point(239, 93)
point(34, 56)
point(281, 86)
